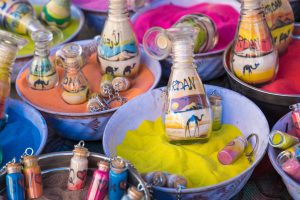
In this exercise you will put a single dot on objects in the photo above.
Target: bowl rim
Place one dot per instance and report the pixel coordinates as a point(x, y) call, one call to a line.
point(85, 114)
point(74, 11)
point(206, 188)
point(228, 71)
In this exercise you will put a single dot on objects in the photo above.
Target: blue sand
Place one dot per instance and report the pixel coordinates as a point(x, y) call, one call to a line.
point(18, 134)
point(108, 52)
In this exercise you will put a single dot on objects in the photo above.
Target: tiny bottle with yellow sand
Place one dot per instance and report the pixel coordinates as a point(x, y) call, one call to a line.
point(188, 115)
point(254, 58)
point(42, 74)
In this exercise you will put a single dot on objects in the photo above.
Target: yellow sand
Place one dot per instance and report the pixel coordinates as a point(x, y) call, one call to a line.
point(276, 139)
point(148, 149)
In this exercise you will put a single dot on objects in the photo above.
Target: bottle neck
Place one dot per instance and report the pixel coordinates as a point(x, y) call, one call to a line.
point(41, 49)
point(183, 54)
point(118, 10)
point(250, 8)
point(72, 68)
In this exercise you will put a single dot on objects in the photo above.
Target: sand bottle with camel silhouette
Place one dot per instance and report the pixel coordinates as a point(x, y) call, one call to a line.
point(118, 51)
point(254, 58)
point(188, 114)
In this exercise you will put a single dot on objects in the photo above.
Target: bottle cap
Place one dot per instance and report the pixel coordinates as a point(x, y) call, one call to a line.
point(175, 181)
point(13, 167)
point(80, 150)
point(134, 194)
point(295, 106)
point(30, 160)
point(103, 165)
point(118, 165)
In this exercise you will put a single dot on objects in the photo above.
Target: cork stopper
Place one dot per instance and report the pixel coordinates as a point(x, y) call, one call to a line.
point(215, 100)
point(134, 194)
point(80, 150)
point(175, 181)
point(13, 167)
point(30, 160)
point(118, 165)
point(103, 165)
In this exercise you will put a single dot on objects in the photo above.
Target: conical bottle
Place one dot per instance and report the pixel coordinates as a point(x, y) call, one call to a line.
point(118, 51)
point(188, 115)
point(57, 13)
point(9, 46)
point(254, 58)
point(280, 19)
point(42, 73)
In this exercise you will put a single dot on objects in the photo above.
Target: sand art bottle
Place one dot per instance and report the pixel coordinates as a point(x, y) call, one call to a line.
point(133, 194)
point(296, 117)
point(280, 19)
point(18, 16)
point(254, 58)
point(57, 13)
point(9, 46)
point(75, 85)
point(14, 181)
point(118, 51)
point(117, 178)
point(188, 115)
point(78, 167)
point(289, 164)
point(281, 140)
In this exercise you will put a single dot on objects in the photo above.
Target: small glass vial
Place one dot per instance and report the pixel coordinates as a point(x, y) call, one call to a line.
point(120, 84)
point(99, 185)
point(254, 59)
point(216, 105)
point(106, 86)
point(9, 46)
point(207, 33)
point(33, 177)
point(296, 117)
point(75, 85)
point(232, 151)
point(156, 178)
point(133, 194)
point(118, 51)
point(289, 164)
point(281, 140)
point(117, 178)
point(15, 182)
point(78, 167)
point(175, 181)
point(57, 13)
point(42, 74)
point(188, 115)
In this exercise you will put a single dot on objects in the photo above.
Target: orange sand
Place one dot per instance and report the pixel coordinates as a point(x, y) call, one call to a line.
point(51, 99)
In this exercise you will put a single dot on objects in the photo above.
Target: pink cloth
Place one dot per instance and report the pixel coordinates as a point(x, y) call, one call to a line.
point(94, 5)
point(225, 17)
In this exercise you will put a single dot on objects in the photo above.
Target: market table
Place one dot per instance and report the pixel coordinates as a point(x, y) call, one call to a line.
point(264, 184)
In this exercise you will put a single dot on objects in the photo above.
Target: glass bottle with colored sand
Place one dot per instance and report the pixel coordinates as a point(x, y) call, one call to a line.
point(75, 85)
point(118, 51)
point(254, 59)
point(9, 46)
point(42, 74)
point(188, 115)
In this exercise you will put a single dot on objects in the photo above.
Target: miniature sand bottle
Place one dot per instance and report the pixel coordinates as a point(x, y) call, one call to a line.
point(296, 117)
point(18, 16)
point(74, 84)
point(42, 74)
point(188, 115)
point(254, 59)
point(118, 51)
point(57, 13)
point(9, 46)
point(280, 19)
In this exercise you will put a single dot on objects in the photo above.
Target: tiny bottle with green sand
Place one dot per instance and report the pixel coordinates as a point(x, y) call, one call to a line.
point(188, 115)
point(57, 13)
point(42, 74)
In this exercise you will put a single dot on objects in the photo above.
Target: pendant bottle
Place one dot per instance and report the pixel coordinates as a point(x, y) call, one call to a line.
point(188, 115)
point(15, 182)
point(99, 185)
point(78, 167)
point(133, 194)
point(75, 85)
point(9, 46)
point(118, 51)
point(296, 117)
point(19, 16)
point(280, 19)
point(254, 58)
point(57, 13)
point(33, 177)
point(42, 74)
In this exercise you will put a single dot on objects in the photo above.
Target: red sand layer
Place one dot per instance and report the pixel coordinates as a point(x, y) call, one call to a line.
point(225, 17)
point(51, 99)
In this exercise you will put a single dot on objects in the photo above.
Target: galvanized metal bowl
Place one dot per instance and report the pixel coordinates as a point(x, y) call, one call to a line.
point(60, 162)
point(85, 126)
point(284, 124)
point(238, 111)
point(209, 65)
point(15, 147)
point(277, 104)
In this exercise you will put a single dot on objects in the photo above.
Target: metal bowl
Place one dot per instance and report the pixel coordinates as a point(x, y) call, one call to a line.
point(277, 104)
point(242, 113)
point(85, 126)
point(296, 32)
point(296, 9)
point(59, 162)
point(284, 124)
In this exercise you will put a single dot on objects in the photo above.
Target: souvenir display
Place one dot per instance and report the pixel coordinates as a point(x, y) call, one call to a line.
point(133, 194)
point(117, 178)
point(188, 115)
point(296, 117)
point(42, 74)
point(281, 140)
point(118, 51)
point(254, 58)
point(9, 46)
point(14, 181)
point(57, 13)
point(78, 167)
point(216, 106)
